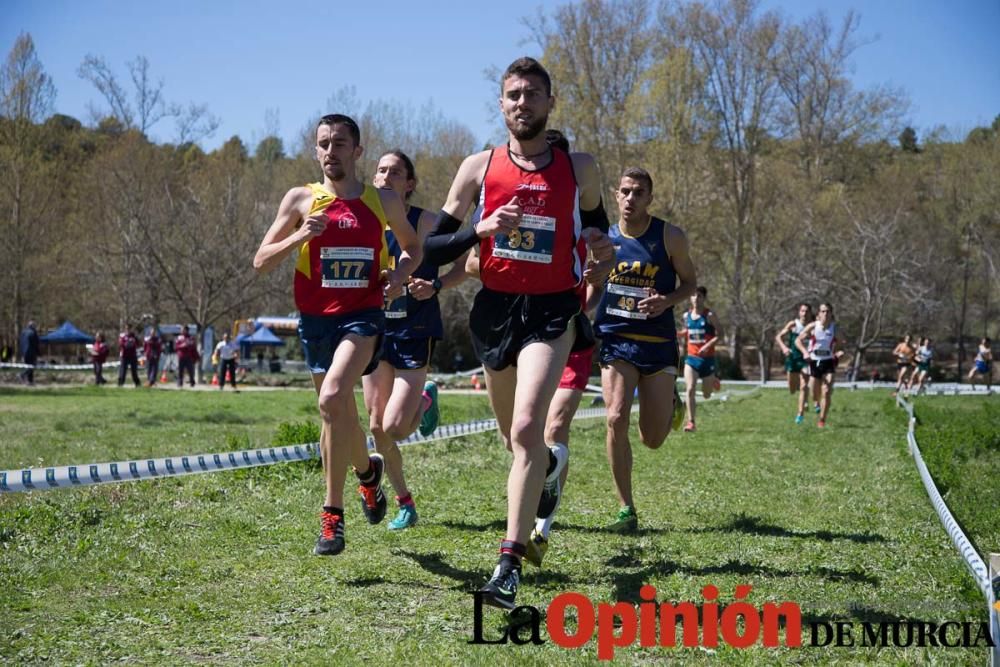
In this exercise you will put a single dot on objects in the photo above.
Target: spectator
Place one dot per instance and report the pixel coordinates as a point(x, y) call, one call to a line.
point(227, 352)
point(152, 347)
point(29, 351)
point(98, 356)
point(6, 352)
point(187, 354)
point(128, 356)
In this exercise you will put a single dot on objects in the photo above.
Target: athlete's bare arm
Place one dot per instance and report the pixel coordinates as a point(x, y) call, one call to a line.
point(285, 234)
point(472, 264)
point(594, 294)
point(800, 341)
point(779, 338)
point(714, 319)
point(409, 244)
point(680, 256)
point(588, 179)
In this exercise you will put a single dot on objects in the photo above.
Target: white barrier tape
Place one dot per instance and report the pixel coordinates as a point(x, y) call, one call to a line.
point(61, 367)
point(35, 479)
point(968, 552)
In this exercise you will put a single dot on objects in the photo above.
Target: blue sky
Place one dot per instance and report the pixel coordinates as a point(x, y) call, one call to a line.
point(243, 59)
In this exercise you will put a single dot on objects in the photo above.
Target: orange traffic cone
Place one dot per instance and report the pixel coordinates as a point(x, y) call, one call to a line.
point(475, 383)
point(215, 379)
point(163, 378)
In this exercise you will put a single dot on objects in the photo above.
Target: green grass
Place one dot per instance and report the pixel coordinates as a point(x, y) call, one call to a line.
point(218, 568)
point(959, 438)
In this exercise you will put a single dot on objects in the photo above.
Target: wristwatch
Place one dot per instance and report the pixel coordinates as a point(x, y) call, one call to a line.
point(436, 284)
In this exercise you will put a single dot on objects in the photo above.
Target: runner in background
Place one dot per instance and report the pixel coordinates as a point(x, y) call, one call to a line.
point(702, 331)
point(795, 364)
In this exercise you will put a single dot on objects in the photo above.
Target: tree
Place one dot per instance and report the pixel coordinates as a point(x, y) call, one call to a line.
point(908, 140)
point(734, 49)
point(26, 97)
point(597, 52)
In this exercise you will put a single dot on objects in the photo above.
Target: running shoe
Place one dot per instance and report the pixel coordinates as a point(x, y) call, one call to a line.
point(816, 409)
point(429, 422)
point(689, 427)
point(626, 522)
point(405, 518)
point(552, 491)
point(799, 419)
point(821, 424)
point(536, 548)
point(679, 410)
point(331, 536)
point(501, 589)
point(372, 498)
point(718, 384)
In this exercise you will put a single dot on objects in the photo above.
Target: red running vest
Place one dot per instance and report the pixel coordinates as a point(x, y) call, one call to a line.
point(540, 256)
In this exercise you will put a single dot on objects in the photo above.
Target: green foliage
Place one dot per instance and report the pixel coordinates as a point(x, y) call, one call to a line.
point(908, 140)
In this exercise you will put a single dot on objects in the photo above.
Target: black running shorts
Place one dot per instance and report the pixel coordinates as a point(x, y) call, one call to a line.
point(502, 324)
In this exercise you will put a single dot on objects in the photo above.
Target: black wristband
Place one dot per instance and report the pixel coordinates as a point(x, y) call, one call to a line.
point(436, 284)
point(596, 218)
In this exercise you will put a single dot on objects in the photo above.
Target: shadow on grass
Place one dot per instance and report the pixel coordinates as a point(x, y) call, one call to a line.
point(627, 584)
point(751, 525)
point(501, 524)
point(467, 580)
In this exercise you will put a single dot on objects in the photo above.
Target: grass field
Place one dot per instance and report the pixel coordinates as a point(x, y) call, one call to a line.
point(218, 568)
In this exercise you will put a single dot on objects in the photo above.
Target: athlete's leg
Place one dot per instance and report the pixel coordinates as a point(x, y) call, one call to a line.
point(500, 386)
point(344, 441)
point(539, 367)
point(793, 382)
point(690, 387)
point(708, 385)
point(378, 387)
point(827, 395)
point(656, 407)
point(803, 383)
point(405, 408)
point(618, 381)
point(557, 425)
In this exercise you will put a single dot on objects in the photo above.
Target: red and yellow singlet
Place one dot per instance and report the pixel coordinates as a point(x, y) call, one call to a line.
point(338, 271)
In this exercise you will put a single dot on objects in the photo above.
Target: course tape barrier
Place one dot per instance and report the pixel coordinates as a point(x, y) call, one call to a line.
point(61, 367)
point(38, 479)
point(973, 561)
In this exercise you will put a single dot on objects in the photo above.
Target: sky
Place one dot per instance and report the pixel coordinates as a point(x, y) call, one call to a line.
point(274, 66)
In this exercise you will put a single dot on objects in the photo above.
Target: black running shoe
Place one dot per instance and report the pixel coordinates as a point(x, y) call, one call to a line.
point(331, 537)
point(372, 499)
point(552, 491)
point(501, 589)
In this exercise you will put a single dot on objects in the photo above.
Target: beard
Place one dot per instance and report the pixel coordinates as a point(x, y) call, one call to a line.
point(335, 172)
point(528, 131)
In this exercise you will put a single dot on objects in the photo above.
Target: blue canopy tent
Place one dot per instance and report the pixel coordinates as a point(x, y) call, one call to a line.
point(67, 333)
point(263, 337)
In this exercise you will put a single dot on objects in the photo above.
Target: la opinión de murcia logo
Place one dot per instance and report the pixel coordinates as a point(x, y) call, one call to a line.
point(738, 624)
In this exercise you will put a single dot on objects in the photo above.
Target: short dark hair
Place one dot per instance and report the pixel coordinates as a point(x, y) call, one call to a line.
point(411, 173)
point(332, 119)
point(703, 291)
point(806, 304)
point(639, 174)
point(527, 67)
point(557, 139)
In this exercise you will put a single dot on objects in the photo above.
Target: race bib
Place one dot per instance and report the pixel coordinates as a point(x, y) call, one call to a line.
point(625, 301)
point(532, 241)
point(346, 267)
point(396, 309)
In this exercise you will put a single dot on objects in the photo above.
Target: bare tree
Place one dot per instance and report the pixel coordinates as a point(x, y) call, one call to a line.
point(26, 97)
point(734, 47)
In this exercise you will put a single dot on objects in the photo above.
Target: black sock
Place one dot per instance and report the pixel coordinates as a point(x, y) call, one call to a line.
point(333, 510)
point(553, 462)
